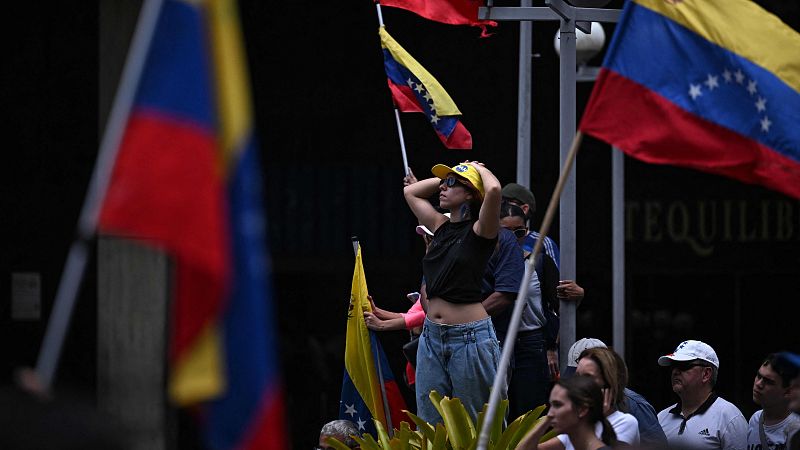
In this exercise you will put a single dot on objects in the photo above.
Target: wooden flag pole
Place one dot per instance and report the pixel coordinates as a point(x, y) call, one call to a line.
point(511, 335)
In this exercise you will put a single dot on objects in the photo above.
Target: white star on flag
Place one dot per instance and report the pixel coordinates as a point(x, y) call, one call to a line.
point(427, 96)
point(751, 87)
point(434, 119)
point(694, 91)
point(419, 88)
point(350, 409)
point(410, 83)
point(739, 76)
point(711, 82)
point(361, 423)
point(765, 123)
point(727, 75)
point(761, 104)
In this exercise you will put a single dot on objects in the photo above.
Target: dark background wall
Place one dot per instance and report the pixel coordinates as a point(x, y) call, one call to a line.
point(707, 258)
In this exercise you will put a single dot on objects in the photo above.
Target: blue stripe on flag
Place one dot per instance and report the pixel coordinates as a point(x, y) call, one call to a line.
point(706, 80)
point(176, 80)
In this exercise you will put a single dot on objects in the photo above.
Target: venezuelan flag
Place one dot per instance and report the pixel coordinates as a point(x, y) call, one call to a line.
point(714, 86)
point(414, 89)
point(453, 12)
point(186, 180)
point(365, 365)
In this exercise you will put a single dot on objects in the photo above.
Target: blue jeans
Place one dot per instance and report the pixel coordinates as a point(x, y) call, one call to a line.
point(456, 361)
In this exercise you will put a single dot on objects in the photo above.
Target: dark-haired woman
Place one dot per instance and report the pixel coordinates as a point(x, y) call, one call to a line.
point(576, 410)
point(458, 350)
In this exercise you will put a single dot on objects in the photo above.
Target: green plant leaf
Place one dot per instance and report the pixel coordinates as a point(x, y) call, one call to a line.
point(423, 427)
point(383, 437)
point(436, 399)
point(367, 442)
point(460, 428)
point(497, 422)
point(525, 424)
point(337, 444)
point(440, 438)
point(403, 436)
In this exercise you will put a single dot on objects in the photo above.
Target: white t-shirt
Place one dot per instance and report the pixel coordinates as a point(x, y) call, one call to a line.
point(625, 425)
point(717, 424)
point(775, 434)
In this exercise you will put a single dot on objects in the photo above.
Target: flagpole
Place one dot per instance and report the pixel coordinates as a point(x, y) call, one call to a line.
point(511, 335)
point(387, 413)
point(396, 112)
point(78, 255)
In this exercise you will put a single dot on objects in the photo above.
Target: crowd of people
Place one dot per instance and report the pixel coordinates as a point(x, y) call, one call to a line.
point(477, 239)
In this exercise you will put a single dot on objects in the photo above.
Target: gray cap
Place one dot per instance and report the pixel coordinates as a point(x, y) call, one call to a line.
point(520, 193)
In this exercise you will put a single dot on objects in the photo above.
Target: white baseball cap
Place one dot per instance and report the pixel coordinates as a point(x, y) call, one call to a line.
point(689, 351)
point(579, 346)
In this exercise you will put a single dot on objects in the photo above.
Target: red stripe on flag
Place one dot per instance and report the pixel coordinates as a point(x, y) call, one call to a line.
point(268, 427)
point(649, 127)
point(454, 12)
point(459, 139)
point(166, 187)
point(404, 98)
point(396, 404)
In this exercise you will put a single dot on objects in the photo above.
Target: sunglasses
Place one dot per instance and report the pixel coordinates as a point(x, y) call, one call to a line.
point(519, 232)
point(451, 181)
point(684, 366)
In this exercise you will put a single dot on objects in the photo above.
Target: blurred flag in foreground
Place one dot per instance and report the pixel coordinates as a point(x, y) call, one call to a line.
point(367, 386)
point(415, 90)
point(721, 96)
point(187, 180)
point(453, 12)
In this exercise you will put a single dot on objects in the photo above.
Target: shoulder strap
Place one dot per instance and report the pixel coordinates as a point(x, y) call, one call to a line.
point(761, 433)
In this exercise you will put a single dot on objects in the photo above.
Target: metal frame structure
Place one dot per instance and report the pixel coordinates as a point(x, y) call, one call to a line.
point(570, 18)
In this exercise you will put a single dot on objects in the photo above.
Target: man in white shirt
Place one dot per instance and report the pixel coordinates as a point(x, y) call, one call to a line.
point(700, 419)
point(771, 388)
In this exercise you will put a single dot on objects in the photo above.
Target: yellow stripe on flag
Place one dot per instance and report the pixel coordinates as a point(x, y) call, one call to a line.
point(443, 104)
point(742, 27)
point(358, 357)
point(198, 375)
point(232, 81)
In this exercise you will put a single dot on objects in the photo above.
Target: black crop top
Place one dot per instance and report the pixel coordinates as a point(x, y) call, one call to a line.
point(456, 262)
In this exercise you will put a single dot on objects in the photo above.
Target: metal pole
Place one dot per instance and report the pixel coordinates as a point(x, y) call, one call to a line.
point(78, 256)
point(567, 207)
point(618, 248)
point(524, 101)
point(513, 326)
point(396, 112)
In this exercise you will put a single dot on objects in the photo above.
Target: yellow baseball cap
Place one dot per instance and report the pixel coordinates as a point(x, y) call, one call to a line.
point(464, 171)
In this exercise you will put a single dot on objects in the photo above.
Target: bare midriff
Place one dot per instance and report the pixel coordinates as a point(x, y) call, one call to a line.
point(442, 311)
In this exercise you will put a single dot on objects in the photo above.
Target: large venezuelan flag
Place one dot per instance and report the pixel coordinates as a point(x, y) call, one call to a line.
point(362, 398)
point(414, 89)
point(187, 180)
point(710, 85)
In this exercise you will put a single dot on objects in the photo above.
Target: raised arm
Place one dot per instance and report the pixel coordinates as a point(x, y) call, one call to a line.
point(488, 222)
point(417, 195)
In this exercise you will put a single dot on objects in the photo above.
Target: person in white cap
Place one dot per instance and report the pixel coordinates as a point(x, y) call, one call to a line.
point(650, 433)
point(700, 419)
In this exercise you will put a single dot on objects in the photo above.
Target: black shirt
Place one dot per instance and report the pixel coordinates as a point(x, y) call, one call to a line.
point(456, 262)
